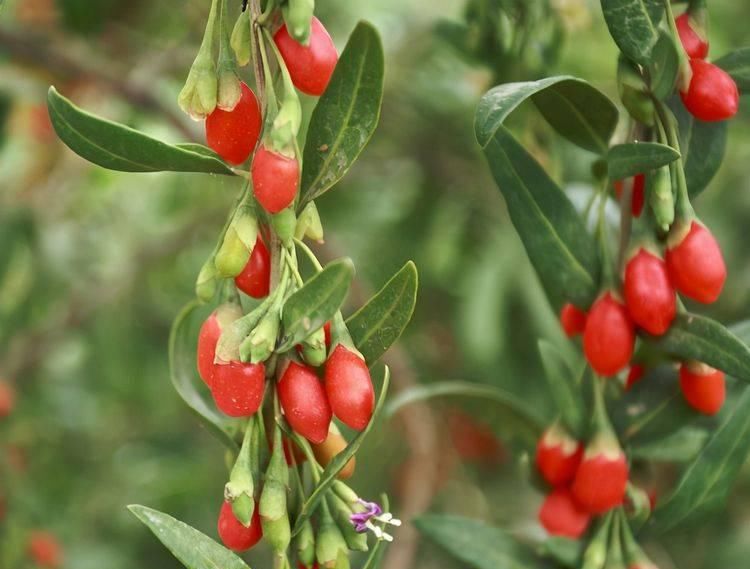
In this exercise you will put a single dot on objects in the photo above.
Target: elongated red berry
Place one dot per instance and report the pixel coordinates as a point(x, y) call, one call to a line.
point(238, 387)
point(233, 534)
point(275, 179)
point(208, 337)
point(695, 45)
point(255, 278)
point(639, 193)
point(712, 94)
point(572, 320)
point(304, 402)
point(561, 516)
point(695, 263)
point(602, 476)
point(558, 456)
point(609, 337)
point(233, 134)
point(7, 399)
point(349, 388)
point(649, 295)
point(635, 374)
point(44, 549)
point(310, 66)
point(703, 387)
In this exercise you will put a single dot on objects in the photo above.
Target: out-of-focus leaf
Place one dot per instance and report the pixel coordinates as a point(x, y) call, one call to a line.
point(564, 387)
point(626, 160)
point(476, 544)
point(346, 115)
point(737, 64)
point(380, 322)
point(680, 446)
point(665, 66)
point(633, 27)
point(119, 147)
point(194, 549)
point(566, 552)
point(706, 482)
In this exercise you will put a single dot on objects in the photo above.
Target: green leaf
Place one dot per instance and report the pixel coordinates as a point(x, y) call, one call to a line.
point(567, 552)
point(565, 388)
point(339, 461)
point(626, 160)
point(346, 115)
point(702, 145)
point(706, 482)
point(476, 544)
point(680, 446)
point(119, 147)
point(194, 549)
point(309, 308)
point(575, 109)
point(380, 322)
point(185, 379)
point(563, 253)
point(517, 415)
point(737, 64)
point(665, 66)
point(632, 26)
point(694, 337)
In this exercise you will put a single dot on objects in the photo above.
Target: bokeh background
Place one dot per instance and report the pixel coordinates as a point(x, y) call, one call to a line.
point(94, 265)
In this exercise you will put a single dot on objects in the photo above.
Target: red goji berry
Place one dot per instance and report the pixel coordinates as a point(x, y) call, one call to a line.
point(7, 399)
point(44, 549)
point(304, 402)
point(349, 388)
point(572, 320)
point(649, 295)
point(233, 134)
point(562, 516)
point(693, 43)
point(310, 66)
point(474, 441)
point(635, 374)
point(703, 387)
point(237, 387)
point(609, 337)
point(275, 179)
point(255, 278)
point(233, 534)
point(712, 94)
point(639, 193)
point(602, 477)
point(558, 456)
point(695, 263)
point(208, 337)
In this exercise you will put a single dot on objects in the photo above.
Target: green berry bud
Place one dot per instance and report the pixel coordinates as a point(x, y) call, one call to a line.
point(298, 18)
point(273, 500)
point(309, 224)
point(261, 342)
point(314, 349)
point(343, 491)
point(239, 490)
point(229, 88)
point(330, 543)
point(283, 224)
point(241, 38)
point(286, 125)
point(198, 96)
point(207, 282)
point(660, 197)
point(341, 513)
point(304, 544)
point(232, 255)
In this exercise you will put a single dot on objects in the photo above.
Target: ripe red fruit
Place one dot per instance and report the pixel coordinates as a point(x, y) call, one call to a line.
point(349, 388)
point(703, 387)
point(558, 456)
point(712, 94)
point(561, 516)
point(233, 134)
point(7, 399)
point(255, 278)
point(310, 66)
point(635, 374)
point(602, 476)
point(327, 332)
point(304, 402)
point(639, 193)
point(695, 263)
point(695, 46)
point(649, 295)
point(609, 337)
point(208, 337)
point(238, 387)
point(44, 549)
point(275, 179)
point(474, 441)
point(572, 319)
point(233, 534)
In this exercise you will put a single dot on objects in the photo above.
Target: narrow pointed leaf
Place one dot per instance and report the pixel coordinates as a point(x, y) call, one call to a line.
point(476, 544)
point(346, 115)
point(194, 549)
point(119, 147)
point(694, 337)
point(565, 388)
point(308, 309)
point(185, 379)
point(737, 64)
point(633, 26)
point(380, 322)
point(704, 485)
point(626, 160)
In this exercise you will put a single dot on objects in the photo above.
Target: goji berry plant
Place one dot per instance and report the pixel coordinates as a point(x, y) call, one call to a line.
point(630, 286)
point(263, 355)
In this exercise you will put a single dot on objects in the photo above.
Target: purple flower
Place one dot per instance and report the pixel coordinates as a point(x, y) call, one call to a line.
point(363, 520)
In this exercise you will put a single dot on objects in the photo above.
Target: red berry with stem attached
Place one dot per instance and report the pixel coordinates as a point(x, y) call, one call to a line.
point(609, 337)
point(44, 549)
point(695, 45)
point(255, 278)
point(602, 476)
point(7, 399)
point(703, 387)
point(275, 179)
point(349, 388)
point(233, 534)
point(558, 456)
point(712, 94)
point(310, 66)
point(695, 263)
point(304, 402)
point(238, 387)
point(561, 516)
point(572, 320)
point(649, 295)
point(233, 134)
point(639, 193)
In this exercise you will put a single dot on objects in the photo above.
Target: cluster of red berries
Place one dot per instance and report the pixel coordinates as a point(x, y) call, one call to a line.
point(585, 482)
point(234, 134)
point(711, 94)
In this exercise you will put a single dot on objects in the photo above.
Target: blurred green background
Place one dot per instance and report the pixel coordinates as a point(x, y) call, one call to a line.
point(94, 265)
